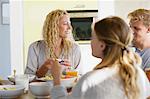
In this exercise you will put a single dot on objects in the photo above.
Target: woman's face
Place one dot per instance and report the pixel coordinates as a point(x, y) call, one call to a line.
point(64, 26)
point(97, 46)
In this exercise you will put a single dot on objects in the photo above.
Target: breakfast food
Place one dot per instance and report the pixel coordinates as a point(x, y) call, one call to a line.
point(71, 73)
point(2, 89)
point(48, 77)
point(65, 75)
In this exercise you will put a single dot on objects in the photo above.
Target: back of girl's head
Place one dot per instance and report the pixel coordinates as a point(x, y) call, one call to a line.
point(115, 33)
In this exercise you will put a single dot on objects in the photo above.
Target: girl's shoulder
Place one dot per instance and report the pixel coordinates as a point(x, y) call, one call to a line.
point(97, 76)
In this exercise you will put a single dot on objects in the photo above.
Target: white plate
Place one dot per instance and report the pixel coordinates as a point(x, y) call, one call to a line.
point(11, 78)
point(11, 91)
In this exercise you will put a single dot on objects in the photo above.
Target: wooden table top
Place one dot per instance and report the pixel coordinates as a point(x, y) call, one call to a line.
point(28, 96)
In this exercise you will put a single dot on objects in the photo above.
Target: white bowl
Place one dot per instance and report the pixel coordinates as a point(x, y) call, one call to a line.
point(40, 89)
point(12, 79)
point(68, 82)
point(11, 91)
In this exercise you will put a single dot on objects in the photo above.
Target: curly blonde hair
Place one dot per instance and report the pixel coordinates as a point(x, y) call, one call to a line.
point(117, 37)
point(51, 33)
point(140, 15)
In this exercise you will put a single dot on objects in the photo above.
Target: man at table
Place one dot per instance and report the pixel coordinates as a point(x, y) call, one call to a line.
point(140, 24)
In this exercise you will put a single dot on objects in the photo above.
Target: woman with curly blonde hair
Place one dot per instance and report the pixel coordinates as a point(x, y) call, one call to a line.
point(56, 43)
point(118, 76)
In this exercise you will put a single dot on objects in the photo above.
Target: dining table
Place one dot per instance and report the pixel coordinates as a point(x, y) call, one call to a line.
point(27, 95)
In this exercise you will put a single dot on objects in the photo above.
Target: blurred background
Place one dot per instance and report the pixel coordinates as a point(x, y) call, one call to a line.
point(21, 24)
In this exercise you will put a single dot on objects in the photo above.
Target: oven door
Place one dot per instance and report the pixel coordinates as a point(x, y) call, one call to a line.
point(81, 22)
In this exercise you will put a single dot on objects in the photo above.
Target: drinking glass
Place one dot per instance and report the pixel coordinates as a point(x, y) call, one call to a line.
point(147, 71)
point(23, 80)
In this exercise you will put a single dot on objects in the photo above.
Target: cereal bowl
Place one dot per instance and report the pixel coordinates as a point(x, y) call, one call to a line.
point(40, 89)
point(11, 91)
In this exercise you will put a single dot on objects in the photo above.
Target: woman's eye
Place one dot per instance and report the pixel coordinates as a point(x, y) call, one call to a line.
point(66, 23)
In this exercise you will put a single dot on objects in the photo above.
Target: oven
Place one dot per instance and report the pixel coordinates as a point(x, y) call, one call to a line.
point(81, 21)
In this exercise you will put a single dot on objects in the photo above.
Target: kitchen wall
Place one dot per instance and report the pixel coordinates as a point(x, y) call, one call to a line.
point(120, 7)
point(123, 7)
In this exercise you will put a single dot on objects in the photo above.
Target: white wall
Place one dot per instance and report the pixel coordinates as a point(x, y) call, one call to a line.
point(106, 8)
point(123, 7)
point(120, 7)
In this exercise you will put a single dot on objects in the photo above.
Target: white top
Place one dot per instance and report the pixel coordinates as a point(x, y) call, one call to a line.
point(101, 84)
point(37, 56)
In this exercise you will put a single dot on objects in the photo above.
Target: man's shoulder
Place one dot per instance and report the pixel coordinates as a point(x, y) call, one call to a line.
point(146, 51)
point(143, 52)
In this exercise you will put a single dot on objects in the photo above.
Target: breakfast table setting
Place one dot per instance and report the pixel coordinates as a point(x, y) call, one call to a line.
point(22, 95)
point(30, 87)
